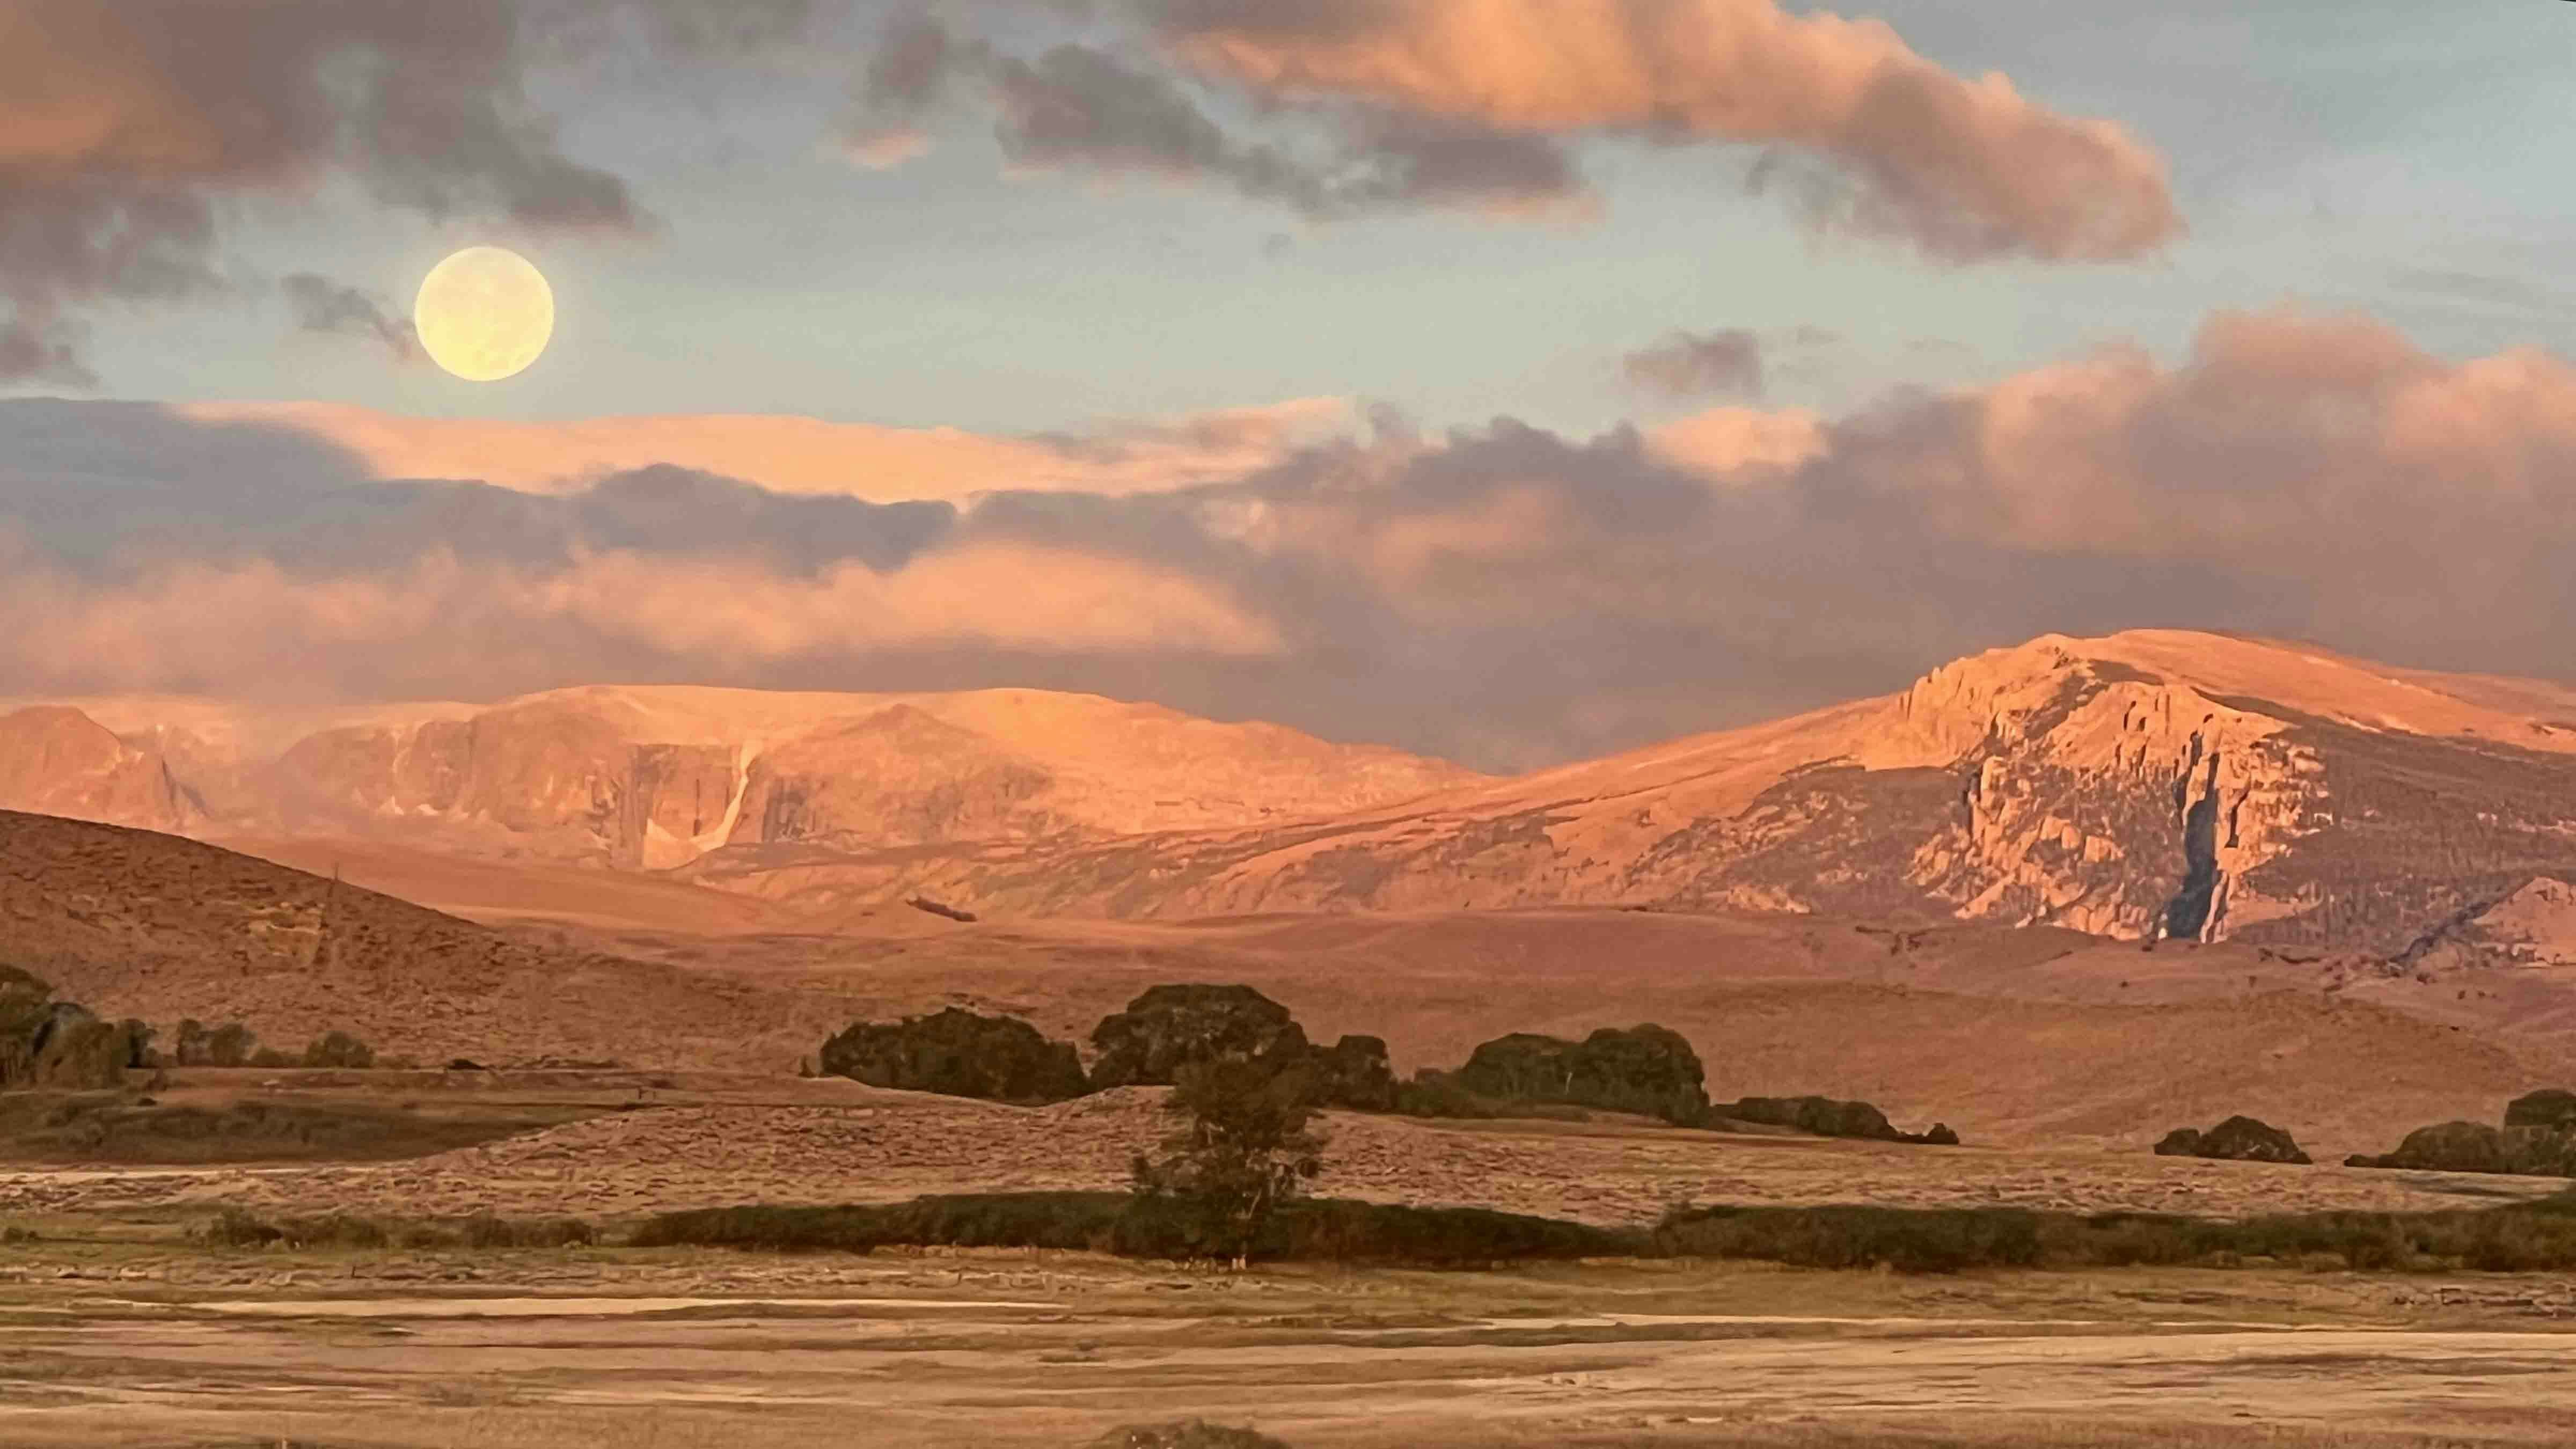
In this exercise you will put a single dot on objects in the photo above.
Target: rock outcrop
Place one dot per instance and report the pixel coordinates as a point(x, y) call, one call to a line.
point(2238, 1139)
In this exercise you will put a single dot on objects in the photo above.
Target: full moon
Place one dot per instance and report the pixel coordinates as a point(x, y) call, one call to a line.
point(484, 314)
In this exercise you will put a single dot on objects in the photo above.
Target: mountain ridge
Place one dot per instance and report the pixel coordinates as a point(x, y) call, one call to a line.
point(2147, 785)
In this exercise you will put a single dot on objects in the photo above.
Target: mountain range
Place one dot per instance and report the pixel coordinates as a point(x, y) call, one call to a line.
point(2149, 785)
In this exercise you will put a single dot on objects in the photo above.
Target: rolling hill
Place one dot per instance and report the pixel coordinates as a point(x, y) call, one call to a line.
point(134, 923)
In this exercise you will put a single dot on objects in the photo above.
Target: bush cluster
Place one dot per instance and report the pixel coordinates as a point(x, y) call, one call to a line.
point(2539, 1237)
point(239, 1228)
point(1826, 1117)
point(1160, 1034)
point(1186, 1434)
point(2538, 1139)
point(50, 1043)
point(1644, 1069)
point(1308, 1230)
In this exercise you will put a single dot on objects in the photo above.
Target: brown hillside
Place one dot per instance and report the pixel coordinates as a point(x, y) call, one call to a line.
point(2013, 1036)
point(133, 923)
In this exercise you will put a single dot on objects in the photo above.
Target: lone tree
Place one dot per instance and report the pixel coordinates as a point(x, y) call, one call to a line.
point(1244, 1144)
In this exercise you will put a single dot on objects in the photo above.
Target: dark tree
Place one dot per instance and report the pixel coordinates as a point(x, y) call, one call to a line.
point(1646, 1069)
point(960, 1054)
point(1243, 1144)
point(339, 1049)
point(1170, 1027)
point(230, 1045)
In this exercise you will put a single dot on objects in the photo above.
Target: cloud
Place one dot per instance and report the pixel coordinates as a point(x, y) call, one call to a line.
point(323, 305)
point(1081, 107)
point(1723, 442)
point(1690, 364)
point(1891, 144)
point(1504, 595)
point(802, 455)
point(257, 630)
point(123, 124)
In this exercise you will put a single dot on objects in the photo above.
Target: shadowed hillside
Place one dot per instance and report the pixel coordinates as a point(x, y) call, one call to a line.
point(133, 923)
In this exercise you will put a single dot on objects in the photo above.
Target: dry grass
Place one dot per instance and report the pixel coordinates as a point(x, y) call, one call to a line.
point(888, 1146)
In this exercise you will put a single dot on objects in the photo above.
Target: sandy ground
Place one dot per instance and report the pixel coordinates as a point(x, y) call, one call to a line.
point(520, 1351)
point(890, 1145)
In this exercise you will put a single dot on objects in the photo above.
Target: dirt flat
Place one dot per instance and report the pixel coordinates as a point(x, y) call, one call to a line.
point(885, 1146)
point(1011, 1349)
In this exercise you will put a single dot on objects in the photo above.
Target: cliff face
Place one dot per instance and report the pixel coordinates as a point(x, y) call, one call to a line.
point(655, 778)
point(58, 761)
point(2106, 798)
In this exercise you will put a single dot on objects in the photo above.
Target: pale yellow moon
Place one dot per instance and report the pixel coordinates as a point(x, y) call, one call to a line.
point(484, 313)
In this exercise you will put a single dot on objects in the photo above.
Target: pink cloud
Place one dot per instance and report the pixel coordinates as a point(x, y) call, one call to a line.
point(806, 455)
point(1965, 168)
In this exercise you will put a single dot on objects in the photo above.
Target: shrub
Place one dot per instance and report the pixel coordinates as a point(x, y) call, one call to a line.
point(1185, 1434)
point(2549, 1108)
point(2445, 1147)
point(238, 1228)
point(960, 1054)
point(50, 1043)
point(233, 1045)
point(1826, 1117)
point(339, 1049)
point(1353, 1073)
point(1645, 1069)
point(1930, 1240)
point(2238, 1139)
point(1171, 1027)
point(1307, 1230)
point(235, 1228)
point(1434, 1093)
point(484, 1230)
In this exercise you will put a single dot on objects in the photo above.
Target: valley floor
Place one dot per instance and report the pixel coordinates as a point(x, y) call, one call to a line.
point(116, 1329)
point(143, 1344)
point(711, 1140)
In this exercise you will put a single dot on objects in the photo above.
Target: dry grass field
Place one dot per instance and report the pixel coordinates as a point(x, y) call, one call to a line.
point(711, 1140)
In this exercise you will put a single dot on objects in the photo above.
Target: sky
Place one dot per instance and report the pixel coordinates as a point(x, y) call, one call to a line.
point(1512, 380)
